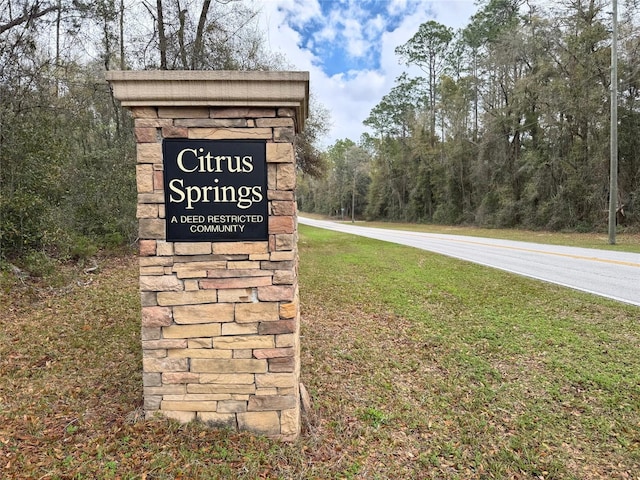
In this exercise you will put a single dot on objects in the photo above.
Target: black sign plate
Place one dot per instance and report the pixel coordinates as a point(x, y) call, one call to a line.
point(215, 190)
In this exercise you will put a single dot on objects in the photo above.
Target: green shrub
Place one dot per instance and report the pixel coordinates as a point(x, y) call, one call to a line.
point(39, 264)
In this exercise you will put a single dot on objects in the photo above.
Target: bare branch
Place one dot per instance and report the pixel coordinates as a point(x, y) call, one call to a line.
point(28, 16)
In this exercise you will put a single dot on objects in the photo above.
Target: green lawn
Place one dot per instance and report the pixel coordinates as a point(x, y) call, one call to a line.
point(419, 367)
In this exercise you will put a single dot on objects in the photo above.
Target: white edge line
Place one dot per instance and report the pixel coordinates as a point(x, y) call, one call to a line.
point(545, 280)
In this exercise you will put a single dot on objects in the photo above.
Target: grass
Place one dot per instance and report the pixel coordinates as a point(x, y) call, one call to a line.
point(419, 367)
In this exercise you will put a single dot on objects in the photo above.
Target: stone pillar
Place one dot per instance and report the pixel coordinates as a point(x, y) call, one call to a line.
point(218, 279)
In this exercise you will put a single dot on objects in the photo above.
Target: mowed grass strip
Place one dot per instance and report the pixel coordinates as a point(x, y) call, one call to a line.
point(419, 367)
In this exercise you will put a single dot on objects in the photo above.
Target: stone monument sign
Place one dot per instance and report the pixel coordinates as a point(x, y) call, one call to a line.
point(218, 244)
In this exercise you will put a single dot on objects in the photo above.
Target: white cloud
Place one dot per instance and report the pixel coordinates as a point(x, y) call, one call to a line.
point(328, 33)
point(356, 44)
point(350, 95)
point(300, 11)
point(396, 6)
point(453, 13)
point(375, 26)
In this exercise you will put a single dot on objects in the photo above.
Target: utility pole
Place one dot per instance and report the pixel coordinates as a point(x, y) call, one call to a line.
point(613, 162)
point(353, 199)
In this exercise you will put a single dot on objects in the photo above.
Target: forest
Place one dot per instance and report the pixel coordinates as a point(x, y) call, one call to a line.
point(506, 124)
point(503, 123)
point(67, 150)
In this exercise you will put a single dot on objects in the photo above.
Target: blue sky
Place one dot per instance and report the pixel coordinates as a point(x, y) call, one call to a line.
point(345, 36)
point(348, 47)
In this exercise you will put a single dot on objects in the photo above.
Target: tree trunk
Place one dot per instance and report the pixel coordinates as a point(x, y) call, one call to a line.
point(57, 61)
point(122, 57)
point(162, 39)
point(182, 19)
point(196, 59)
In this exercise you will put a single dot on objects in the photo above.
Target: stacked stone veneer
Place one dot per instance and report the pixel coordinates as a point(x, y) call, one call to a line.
point(220, 320)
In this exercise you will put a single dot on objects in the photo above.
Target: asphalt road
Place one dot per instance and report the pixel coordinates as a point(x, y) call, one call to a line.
point(610, 274)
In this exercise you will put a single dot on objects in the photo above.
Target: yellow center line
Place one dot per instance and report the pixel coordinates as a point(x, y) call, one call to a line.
point(566, 255)
point(529, 250)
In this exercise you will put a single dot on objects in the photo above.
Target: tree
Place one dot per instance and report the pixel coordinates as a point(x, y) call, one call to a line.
point(357, 162)
point(393, 173)
point(67, 182)
point(309, 159)
point(63, 187)
point(27, 13)
point(629, 115)
point(577, 113)
point(459, 148)
point(342, 190)
point(521, 103)
point(428, 49)
point(207, 35)
point(22, 207)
